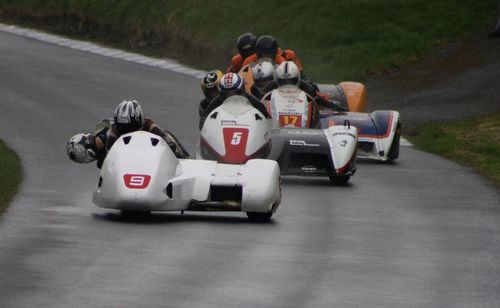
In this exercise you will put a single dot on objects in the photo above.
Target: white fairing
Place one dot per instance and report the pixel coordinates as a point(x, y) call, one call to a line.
point(235, 130)
point(382, 144)
point(343, 142)
point(142, 176)
point(291, 106)
point(138, 163)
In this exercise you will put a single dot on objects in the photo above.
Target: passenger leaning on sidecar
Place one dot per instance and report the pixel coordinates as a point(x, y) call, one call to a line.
point(232, 84)
point(128, 117)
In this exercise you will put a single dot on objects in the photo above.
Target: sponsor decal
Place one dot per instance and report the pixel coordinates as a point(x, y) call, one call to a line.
point(309, 169)
point(136, 181)
point(343, 143)
point(303, 143)
point(228, 122)
point(287, 92)
point(308, 132)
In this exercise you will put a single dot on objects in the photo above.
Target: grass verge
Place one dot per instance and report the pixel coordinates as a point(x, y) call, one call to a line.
point(10, 175)
point(345, 39)
point(472, 142)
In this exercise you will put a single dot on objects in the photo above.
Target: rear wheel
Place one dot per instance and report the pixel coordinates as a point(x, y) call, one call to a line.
point(339, 179)
point(259, 217)
point(394, 150)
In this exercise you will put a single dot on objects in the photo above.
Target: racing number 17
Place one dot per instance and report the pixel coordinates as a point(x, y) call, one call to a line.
point(290, 119)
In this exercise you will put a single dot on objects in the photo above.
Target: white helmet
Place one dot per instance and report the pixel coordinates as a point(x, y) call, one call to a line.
point(287, 73)
point(262, 73)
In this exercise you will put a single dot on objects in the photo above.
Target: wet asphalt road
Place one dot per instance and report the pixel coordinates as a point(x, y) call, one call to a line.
point(421, 232)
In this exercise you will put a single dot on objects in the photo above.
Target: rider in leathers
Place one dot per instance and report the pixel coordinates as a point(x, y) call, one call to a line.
point(128, 117)
point(229, 85)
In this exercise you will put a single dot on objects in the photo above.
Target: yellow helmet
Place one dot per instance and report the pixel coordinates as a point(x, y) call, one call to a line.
point(209, 83)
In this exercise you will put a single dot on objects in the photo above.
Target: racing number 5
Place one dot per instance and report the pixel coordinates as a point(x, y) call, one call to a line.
point(236, 138)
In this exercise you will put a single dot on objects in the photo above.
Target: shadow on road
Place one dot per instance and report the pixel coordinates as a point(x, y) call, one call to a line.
point(175, 217)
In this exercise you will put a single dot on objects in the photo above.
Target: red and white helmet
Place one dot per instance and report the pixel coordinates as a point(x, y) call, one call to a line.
point(288, 73)
point(231, 84)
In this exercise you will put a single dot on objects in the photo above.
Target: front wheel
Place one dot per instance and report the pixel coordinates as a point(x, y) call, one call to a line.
point(259, 217)
point(339, 179)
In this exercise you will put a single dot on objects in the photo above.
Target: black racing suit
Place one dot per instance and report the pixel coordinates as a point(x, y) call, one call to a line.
point(202, 111)
point(257, 92)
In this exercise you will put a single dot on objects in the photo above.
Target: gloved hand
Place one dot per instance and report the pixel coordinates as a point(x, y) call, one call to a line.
point(81, 148)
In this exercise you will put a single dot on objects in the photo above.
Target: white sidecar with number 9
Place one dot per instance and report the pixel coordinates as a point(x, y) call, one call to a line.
point(142, 174)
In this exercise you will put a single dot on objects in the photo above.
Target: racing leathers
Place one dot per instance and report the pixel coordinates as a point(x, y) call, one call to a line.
point(290, 55)
point(282, 56)
point(257, 92)
point(106, 134)
point(202, 110)
point(312, 90)
point(317, 97)
point(236, 63)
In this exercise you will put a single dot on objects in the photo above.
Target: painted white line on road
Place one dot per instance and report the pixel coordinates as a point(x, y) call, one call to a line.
point(167, 64)
point(405, 143)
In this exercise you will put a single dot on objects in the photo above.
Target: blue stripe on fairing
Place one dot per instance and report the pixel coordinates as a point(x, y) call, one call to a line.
point(364, 122)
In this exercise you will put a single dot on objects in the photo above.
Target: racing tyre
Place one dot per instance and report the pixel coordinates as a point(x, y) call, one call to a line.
point(339, 179)
point(394, 151)
point(259, 217)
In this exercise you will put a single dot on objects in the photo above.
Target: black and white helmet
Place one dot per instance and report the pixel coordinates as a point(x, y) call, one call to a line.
point(128, 116)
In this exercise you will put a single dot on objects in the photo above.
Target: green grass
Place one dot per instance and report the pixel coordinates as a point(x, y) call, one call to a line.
point(336, 40)
point(10, 175)
point(472, 142)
